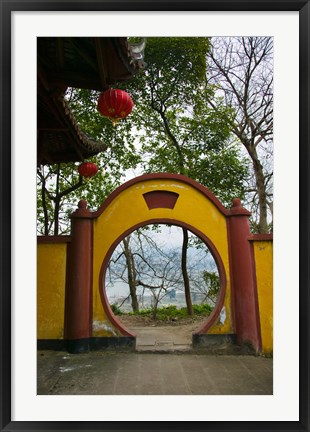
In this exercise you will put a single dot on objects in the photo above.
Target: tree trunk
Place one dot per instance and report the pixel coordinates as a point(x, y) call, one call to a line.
point(56, 198)
point(185, 274)
point(251, 93)
point(43, 193)
point(182, 170)
point(131, 275)
point(261, 191)
point(56, 215)
point(57, 203)
point(155, 306)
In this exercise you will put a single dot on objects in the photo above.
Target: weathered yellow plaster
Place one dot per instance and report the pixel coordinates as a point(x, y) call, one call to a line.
point(263, 252)
point(129, 209)
point(104, 329)
point(51, 282)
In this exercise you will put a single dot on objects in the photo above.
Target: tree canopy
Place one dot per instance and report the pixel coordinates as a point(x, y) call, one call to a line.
point(180, 123)
point(178, 130)
point(241, 70)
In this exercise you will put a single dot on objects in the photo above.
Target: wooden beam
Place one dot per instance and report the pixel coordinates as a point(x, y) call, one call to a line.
point(60, 52)
point(74, 79)
point(101, 62)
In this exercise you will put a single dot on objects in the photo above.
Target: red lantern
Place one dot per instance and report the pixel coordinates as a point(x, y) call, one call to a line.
point(115, 104)
point(87, 169)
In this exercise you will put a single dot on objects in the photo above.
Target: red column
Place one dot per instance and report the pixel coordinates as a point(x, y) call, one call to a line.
point(79, 290)
point(244, 291)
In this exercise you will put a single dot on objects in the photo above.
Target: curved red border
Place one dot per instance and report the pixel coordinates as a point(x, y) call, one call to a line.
point(223, 281)
point(260, 237)
point(162, 176)
point(53, 239)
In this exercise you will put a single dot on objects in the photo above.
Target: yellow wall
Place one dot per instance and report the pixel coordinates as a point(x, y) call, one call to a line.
point(125, 211)
point(263, 252)
point(129, 209)
point(51, 282)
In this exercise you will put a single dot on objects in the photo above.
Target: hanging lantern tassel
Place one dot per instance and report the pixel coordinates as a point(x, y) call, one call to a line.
point(88, 170)
point(115, 104)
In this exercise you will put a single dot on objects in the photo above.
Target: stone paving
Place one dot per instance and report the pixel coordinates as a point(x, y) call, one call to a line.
point(111, 373)
point(163, 364)
point(162, 339)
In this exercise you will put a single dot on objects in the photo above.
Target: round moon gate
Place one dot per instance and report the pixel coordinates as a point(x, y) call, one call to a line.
point(160, 198)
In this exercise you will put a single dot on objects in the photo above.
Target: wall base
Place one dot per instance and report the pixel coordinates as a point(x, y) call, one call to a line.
point(213, 340)
point(221, 344)
point(77, 346)
point(52, 344)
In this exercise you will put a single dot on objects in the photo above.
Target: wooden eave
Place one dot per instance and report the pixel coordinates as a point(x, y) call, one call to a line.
point(89, 63)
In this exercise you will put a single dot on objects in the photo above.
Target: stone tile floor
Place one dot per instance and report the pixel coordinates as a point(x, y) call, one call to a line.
point(164, 363)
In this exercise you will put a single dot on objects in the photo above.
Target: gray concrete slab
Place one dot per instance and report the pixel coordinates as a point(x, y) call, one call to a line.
point(138, 373)
point(163, 338)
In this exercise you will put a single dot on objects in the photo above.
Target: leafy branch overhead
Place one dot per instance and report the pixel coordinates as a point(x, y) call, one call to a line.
point(203, 108)
point(196, 101)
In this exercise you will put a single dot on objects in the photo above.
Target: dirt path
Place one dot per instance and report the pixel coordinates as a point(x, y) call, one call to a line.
point(167, 336)
point(162, 335)
point(185, 323)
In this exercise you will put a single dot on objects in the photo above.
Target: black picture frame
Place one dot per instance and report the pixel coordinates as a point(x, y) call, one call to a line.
point(6, 9)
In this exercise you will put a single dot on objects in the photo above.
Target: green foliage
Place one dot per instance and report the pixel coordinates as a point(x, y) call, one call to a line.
point(171, 129)
point(94, 190)
point(255, 227)
point(113, 163)
point(121, 153)
point(212, 282)
point(203, 309)
point(115, 309)
point(169, 312)
point(176, 66)
point(52, 183)
point(177, 130)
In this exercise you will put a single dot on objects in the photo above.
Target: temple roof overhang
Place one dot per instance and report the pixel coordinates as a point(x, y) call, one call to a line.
point(80, 62)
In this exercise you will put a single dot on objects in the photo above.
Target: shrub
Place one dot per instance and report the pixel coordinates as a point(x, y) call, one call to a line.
point(203, 309)
point(169, 312)
point(115, 309)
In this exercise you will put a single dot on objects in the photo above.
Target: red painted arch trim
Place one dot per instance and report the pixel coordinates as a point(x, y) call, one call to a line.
point(162, 176)
point(160, 199)
point(53, 239)
point(223, 281)
point(261, 237)
point(257, 321)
